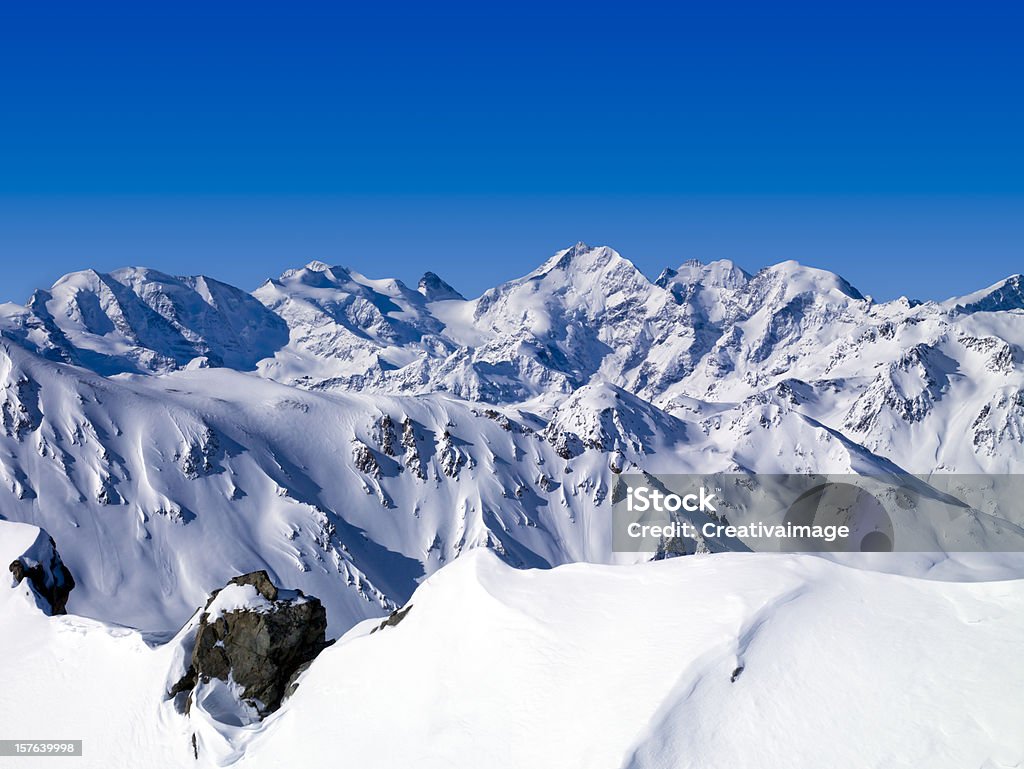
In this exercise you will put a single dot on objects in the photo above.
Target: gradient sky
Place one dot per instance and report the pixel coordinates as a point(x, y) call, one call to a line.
point(883, 141)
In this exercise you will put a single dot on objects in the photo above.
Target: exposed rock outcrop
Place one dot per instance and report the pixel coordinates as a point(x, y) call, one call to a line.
point(412, 457)
point(393, 619)
point(257, 638)
point(49, 577)
point(364, 460)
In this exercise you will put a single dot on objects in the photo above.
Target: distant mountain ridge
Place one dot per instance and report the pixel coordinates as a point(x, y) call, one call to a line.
point(350, 435)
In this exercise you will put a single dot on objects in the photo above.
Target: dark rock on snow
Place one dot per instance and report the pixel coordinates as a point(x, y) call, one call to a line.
point(393, 619)
point(49, 577)
point(261, 646)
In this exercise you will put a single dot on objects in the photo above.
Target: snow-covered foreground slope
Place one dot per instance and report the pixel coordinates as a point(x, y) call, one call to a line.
point(724, 660)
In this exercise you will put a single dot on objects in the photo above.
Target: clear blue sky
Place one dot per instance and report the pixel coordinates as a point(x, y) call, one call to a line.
point(884, 141)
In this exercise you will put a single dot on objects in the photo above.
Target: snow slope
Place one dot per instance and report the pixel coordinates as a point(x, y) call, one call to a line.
point(712, 661)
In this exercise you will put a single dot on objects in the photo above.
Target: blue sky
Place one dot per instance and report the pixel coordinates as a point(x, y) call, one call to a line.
point(883, 141)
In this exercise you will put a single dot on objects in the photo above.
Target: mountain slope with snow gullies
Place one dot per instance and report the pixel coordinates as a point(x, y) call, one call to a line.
point(352, 435)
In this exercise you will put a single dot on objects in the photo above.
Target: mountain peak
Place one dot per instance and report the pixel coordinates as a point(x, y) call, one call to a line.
point(1007, 294)
point(722, 273)
point(665, 277)
point(563, 259)
point(316, 274)
point(435, 289)
point(799, 278)
point(580, 257)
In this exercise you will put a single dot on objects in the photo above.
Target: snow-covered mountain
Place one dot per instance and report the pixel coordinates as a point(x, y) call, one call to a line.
point(351, 435)
point(139, 320)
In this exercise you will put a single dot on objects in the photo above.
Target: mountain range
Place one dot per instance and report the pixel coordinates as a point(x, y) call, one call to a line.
point(189, 470)
point(351, 435)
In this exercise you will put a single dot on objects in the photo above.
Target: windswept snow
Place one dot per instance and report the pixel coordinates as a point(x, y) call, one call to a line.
point(709, 661)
